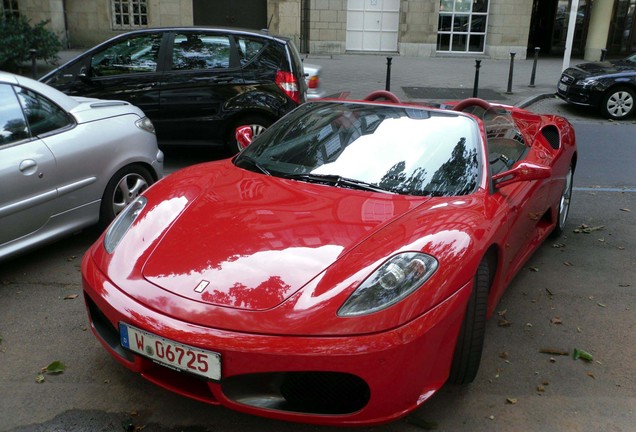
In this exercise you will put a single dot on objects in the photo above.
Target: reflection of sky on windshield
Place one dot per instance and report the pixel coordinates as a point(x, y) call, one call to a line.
point(426, 143)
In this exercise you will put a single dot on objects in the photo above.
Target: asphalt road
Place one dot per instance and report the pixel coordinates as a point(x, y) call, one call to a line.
point(578, 292)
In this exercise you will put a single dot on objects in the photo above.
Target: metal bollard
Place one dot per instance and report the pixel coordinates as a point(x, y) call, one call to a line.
point(476, 84)
point(387, 86)
point(34, 67)
point(603, 53)
point(512, 65)
point(534, 66)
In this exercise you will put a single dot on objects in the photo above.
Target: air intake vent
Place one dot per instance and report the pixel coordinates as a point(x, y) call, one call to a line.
point(551, 134)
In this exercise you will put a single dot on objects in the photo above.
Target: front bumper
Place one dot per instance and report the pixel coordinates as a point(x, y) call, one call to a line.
point(355, 380)
point(570, 91)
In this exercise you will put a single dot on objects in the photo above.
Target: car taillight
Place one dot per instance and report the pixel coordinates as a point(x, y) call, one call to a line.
point(288, 83)
point(314, 82)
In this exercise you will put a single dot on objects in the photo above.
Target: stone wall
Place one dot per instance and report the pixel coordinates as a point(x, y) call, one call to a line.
point(508, 28)
point(89, 22)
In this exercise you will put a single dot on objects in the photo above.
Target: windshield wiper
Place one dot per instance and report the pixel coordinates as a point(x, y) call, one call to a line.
point(253, 163)
point(338, 181)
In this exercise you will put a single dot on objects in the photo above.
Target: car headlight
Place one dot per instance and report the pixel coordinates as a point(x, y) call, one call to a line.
point(124, 220)
point(589, 83)
point(145, 124)
point(391, 282)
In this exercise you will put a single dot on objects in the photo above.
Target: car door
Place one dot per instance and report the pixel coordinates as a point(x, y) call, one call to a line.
point(126, 68)
point(27, 171)
point(526, 201)
point(203, 78)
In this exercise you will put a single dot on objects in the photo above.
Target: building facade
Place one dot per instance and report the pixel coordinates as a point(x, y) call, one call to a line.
point(476, 28)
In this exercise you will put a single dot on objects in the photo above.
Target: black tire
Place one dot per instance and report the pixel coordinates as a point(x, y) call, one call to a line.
point(563, 208)
point(257, 123)
point(126, 185)
point(618, 103)
point(470, 341)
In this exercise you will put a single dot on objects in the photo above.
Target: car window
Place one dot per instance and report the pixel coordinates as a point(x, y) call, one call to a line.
point(248, 48)
point(408, 151)
point(134, 55)
point(506, 144)
point(195, 51)
point(13, 127)
point(42, 115)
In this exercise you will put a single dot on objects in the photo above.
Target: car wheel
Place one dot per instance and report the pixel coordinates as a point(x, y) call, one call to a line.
point(252, 126)
point(618, 103)
point(126, 185)
point(470, 341)
point(563, 208)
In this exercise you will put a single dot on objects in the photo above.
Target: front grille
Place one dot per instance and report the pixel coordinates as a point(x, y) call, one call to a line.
point(105, 330)
point(301, 392)
point(567, 79)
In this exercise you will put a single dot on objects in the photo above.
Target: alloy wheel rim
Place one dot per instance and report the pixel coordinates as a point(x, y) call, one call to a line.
point(620, 104)
point(128, 188)
point(564, 204)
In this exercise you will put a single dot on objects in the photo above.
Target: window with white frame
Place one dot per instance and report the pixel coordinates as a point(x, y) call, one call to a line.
point(129, 13)
point(10, 9)
point(462, 26)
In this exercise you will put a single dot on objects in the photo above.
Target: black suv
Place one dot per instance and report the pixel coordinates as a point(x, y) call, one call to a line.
point(197, 85)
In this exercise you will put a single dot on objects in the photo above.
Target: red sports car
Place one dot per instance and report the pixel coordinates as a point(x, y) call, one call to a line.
point(341, 268)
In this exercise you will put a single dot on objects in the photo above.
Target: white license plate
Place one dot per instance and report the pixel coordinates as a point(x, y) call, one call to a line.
point(563, 87)
point(170, 353)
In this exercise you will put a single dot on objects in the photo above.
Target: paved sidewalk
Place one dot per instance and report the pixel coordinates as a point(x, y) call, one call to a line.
point(362, 73)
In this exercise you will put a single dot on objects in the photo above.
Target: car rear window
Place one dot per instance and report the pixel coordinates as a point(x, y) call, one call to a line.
point(197, 51)
point(248, 48)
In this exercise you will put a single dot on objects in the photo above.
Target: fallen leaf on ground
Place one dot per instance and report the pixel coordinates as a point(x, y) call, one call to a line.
point(622, 285)
point(583, 228)
point(56, 367)
point(591, 375)
point(534, 269)
point(568, 263)
point(504, 322)
point(39, 379)
point(511, 401)
point(71, 297)
point(625, 210)
point(602, 305)
point(556, 320)
point(582, 354)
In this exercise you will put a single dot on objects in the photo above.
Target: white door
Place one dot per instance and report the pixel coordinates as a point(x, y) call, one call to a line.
point(372, 25)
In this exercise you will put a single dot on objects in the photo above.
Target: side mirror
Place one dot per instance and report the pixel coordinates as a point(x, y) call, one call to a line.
point(524, 171)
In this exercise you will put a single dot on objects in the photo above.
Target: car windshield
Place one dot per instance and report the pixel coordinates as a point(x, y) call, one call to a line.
point(382, 148)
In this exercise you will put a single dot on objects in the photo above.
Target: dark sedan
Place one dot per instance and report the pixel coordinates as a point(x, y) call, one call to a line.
point(609, 86)
point(197, 85)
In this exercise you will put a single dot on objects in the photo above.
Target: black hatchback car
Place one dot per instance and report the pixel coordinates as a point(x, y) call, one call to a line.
point(197, 85)
point(609, 86)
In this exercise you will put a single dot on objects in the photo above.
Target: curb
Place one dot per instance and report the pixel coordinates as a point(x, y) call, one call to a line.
point(534, 99)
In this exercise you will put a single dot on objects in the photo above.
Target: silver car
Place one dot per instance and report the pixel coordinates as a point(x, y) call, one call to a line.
point(67, 163)
point(312, 78)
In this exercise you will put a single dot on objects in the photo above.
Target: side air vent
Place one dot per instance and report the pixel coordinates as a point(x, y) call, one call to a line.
point(551, 134)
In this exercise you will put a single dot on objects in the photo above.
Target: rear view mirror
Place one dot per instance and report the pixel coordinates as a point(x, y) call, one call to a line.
point(523, 171)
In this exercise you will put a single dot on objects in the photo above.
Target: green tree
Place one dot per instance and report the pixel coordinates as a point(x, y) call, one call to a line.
point(19, 37)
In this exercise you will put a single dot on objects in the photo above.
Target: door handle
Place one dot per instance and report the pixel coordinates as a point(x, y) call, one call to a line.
point(28, 166)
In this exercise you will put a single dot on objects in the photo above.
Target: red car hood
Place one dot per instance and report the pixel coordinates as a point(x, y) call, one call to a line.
point(249, 241)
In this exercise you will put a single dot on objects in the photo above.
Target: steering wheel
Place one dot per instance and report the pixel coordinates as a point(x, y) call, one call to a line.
point(466, 103)
point(382, 94)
